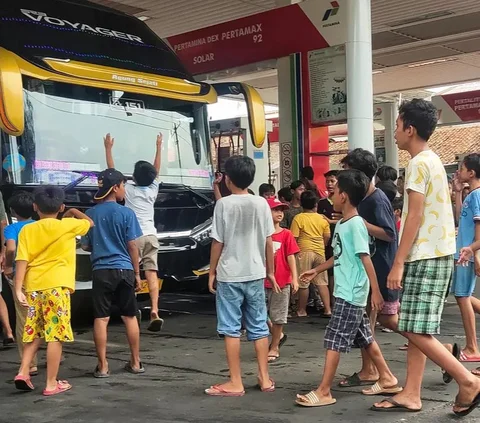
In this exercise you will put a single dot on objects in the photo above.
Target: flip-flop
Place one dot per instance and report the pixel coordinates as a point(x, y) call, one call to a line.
point(8, 342)
point(33, 373)
point(354, 380)
point(274, 358)
point(23, 383)
point(447, 378)
point(62, 386)
point(283, 339)
point(377, 389)
point(469, 407)
point(404, 347)
point(476, 372)
point(155, 325)
point(396, 407)
point(128, 367)
point(271, 388)
point(325, 316)
point(99, 375)
point(464, 358)
point(313, 400)
point(217, 391)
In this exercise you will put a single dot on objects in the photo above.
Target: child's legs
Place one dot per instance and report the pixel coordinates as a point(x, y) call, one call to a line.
point(152, 280)
point(305, 263)
point(255, 319)
point(332, 359)
point(20, 318)
point(278, 313)
point(229, 300)
point(29, 351)
point(54, 355)
point(127, 304)
point(4, 320)
point(321, 282)
point(148, 249)
point(100, 326)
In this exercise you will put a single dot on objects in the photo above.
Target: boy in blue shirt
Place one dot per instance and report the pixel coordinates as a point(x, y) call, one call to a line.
point(115, 263)
point(354, 277)
point(21, 208)
point(464, 280)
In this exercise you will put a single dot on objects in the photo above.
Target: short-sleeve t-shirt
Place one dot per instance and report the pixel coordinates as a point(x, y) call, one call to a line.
point(284, 245)
point(49, 248)
point(289, 215)
point(141, 200)
point(310, 230)
point(242, 224)
point(469, 217)
point(350, 241)
point(115, 226)
point(325, 207)
point(12, 231)
point(377, 210)
point(426, 175)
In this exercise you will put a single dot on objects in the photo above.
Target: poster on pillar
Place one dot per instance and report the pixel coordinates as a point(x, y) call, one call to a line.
point(327, 70)
point(458, 107)
point(276, 33)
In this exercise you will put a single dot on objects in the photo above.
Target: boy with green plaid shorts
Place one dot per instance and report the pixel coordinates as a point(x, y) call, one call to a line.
point(424, 263)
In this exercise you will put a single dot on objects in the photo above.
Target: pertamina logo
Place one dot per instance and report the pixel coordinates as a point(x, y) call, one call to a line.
point(331, 12)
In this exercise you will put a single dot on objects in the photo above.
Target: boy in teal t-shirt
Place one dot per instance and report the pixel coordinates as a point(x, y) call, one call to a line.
point(354, 277)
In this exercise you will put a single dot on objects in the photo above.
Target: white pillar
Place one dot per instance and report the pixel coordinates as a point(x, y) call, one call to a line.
point(359, 75)
point(391, 149)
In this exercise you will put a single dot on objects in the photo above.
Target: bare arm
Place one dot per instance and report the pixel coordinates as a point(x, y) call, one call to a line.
point(458, 205)
point(326, 236)
point(133, 252)
point(108, 142)
point(477, 254)
point(20, 273)
point(77, 214)
point(269, 255)
point(377, 232)
point(377, 300)
point(215, 253)
point(292, 263)
point(157, 161)
point(11, 247)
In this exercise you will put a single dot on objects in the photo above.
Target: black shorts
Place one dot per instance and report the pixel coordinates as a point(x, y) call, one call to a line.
point(329, 255)
point(114, 286)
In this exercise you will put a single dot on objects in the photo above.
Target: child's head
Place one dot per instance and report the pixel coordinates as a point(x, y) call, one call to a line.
point(277, 208)
point(401, 185)
point(331, 181)
point(285, 195)
point(470, 168)
point(362, 160)
point(21, 205)
point(144, 173)
point(397, 205)
point(297, 188)
point(111, 185)
point(307, 173)
point(239, 172)
point(266, 191)
point(387, 173)
point(352, 186)
point(48, 201)
point(309, 200)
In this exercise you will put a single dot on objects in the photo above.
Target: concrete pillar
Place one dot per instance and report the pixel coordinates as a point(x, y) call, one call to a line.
point(359, 75)
point(391, 149)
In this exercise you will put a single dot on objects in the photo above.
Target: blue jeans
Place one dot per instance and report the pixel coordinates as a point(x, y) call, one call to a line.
point(242, 300)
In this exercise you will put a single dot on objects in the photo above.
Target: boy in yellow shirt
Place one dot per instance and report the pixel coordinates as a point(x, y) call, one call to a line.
point(312, 233)
point(44, 280)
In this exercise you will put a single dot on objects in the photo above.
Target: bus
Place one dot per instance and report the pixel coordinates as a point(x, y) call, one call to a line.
point(72, 71)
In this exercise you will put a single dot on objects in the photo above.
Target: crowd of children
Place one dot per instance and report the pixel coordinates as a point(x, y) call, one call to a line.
point(265, 252)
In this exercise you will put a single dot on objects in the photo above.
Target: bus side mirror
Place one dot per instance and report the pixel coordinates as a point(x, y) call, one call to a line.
point(12, 119)
point(255, 107)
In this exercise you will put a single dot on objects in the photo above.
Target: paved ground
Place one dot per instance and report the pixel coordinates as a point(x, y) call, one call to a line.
point(187, 357)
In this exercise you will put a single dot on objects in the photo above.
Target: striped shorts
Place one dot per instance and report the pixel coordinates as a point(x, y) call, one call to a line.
point(425, 286)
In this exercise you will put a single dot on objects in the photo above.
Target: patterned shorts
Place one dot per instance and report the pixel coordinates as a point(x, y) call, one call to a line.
point(425, 286)
point(48, 316)
point(348, 326)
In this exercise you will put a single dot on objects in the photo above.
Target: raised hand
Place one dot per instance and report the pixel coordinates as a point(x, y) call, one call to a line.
point(108, 141)
point(159, 140)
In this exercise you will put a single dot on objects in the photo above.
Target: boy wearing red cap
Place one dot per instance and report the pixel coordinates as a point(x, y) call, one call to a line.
point(285, 248)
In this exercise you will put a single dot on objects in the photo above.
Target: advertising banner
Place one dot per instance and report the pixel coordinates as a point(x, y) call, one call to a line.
point(458, 107)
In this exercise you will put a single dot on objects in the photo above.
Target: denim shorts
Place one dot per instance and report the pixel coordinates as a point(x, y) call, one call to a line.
point(242, 301)
point(464, 280)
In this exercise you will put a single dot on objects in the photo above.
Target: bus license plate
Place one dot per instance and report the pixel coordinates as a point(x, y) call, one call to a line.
point(144, 287)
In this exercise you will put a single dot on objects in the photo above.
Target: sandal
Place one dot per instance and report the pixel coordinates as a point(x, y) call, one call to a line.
point(62, 386)
point(271, 388)
point(469, 407)
point(156, 325)
point(273, 359)
point(8, 342)
point(218, 391)
point(476, 372)
point(377, 389)
point(397, 407)
point(354, 380)
point(464, 358)
point(311, 400)
point(23, 383)
point(128, 367)
point(99, 375)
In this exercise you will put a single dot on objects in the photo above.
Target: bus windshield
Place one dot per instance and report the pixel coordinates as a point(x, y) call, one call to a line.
point(65, 125)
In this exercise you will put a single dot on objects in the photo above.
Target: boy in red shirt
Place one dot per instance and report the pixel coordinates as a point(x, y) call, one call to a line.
point(285, 248)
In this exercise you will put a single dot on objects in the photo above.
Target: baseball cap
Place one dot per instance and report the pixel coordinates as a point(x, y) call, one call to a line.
point(275, 203)
point(107, 180)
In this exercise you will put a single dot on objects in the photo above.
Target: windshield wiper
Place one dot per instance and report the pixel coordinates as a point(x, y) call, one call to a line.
point(78, 181)
point(207, 200)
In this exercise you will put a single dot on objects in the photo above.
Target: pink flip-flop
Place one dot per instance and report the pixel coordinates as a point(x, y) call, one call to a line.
point(271, 388)
point(464, 358)
point(23, 383)
point(62, 386)
point(218, 391)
